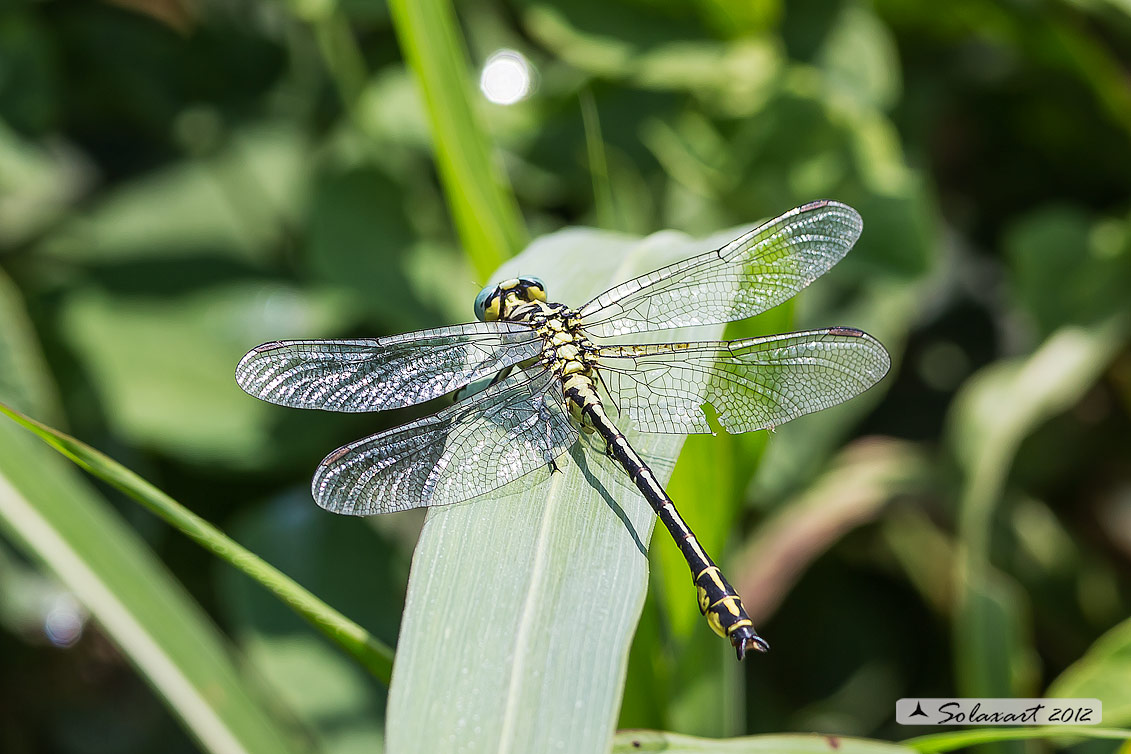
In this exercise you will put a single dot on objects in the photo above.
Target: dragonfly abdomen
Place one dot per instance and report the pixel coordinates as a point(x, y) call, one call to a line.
point(718, 601)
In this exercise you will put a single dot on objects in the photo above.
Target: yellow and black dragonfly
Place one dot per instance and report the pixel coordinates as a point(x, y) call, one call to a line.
point(553, 375)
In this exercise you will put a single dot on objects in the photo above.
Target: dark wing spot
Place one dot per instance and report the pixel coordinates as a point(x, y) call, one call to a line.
point(851, 332)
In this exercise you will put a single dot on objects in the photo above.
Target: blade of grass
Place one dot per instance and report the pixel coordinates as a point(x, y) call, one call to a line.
point(598, 165)
point(60, 521)
point(674, 743)
point(372, 654)
point(961, 739)
point(483, 208)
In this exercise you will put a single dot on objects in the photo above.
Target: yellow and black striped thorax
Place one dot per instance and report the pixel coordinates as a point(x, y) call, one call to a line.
point(566, 350)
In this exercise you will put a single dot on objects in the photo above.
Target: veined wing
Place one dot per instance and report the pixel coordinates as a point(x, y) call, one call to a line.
point(749, 275)
point(512, 428)
point(755, 383)
point(380, 373)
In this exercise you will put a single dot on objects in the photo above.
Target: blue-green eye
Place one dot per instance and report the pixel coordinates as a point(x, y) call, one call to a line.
point(481, 302)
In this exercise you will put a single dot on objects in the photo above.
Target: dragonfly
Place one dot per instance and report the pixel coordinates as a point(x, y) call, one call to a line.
point(553, 372)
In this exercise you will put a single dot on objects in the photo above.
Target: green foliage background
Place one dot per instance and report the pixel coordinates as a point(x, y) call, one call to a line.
point(181, 181)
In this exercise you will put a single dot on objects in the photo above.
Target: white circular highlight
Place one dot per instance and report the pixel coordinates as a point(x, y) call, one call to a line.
point(507, 78)
point(64, 622)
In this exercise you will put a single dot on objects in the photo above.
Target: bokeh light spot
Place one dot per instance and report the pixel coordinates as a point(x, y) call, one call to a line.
point(63, 623)
point(507, 78)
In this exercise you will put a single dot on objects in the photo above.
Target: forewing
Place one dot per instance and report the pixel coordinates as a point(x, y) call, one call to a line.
point(752, 384)
point(477, 445)
point(747, 276)
point(381, 373)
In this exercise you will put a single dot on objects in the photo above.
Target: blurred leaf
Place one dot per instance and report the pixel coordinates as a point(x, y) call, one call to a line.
point(859, 481)
point(997, 408)
point(29, 89)
point(361, 238)
point(860, 58)
point(1067, 268)
point(650, 51)
point(38, 184)
point(1102, 674)
point(674, 743)
point(338, 701)
point(25, 380)
point(60, 522)
point(558, 568)
point(369, 652)
point(235, 204)
point(163, 366)
point(483, 209)
point(926, 554)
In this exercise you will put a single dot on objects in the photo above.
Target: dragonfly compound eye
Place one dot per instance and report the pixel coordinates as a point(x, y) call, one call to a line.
point(535, 289)
point(484, 300)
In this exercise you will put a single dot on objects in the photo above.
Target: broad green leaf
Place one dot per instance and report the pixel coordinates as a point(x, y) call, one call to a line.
point(231, 205)
point(37, 184)
point(61, 522)
point(189, 345)
point(483, 209)
point(1102, 673)
point(521, 606)
point(860, 58)
point(352, 638)
point(1068, 268)
point(673, 743)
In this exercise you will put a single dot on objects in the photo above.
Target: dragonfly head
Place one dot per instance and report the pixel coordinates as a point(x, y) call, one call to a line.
point(496, 301)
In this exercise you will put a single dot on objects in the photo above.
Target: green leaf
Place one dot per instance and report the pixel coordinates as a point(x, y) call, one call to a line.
point(521, 606)
point(233, 204)
point(673, 743)
point(351, 637)
point(484, 210)
point(1102, 673)
point(1068, 268)
point(961, 739)
point(25, 380)
point(58, 520)
point(341, 704)
point(998, 407)
point(190, 344)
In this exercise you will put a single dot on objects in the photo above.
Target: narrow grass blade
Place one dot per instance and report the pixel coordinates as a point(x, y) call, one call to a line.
point(484, 210)
point(62, 523)
point(674, 743)
point(376, 657)
point(521, 606)
point(961, 739)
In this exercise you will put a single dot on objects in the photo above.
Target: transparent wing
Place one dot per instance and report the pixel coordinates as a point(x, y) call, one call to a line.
point(751, 274)
point(511, 429)
point(756, 383)
point(381, 373)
